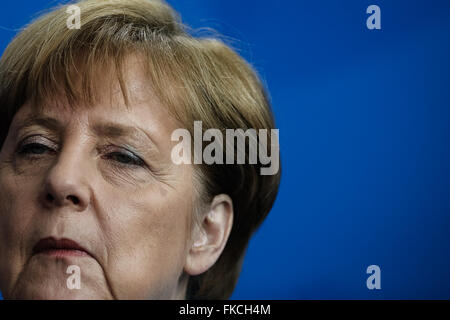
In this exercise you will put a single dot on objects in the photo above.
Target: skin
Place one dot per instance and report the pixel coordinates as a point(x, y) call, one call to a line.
point(102, 176)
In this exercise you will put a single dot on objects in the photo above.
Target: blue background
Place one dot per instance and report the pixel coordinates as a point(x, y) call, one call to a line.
point(364, 133)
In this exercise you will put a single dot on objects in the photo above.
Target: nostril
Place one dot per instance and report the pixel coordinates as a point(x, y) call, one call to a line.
point(49, 197)
point(74, 199)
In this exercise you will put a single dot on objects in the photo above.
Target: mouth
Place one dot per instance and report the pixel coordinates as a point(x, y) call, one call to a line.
point(59, 248)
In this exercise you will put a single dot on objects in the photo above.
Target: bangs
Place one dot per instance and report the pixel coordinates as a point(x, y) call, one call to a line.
point(48, 60)
point(74, 74)
point(85, 60)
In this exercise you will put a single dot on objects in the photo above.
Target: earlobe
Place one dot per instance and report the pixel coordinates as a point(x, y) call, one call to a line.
point(210, 238)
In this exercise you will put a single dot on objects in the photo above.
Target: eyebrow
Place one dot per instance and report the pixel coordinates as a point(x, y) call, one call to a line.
point(116, 130)
point(46, 122)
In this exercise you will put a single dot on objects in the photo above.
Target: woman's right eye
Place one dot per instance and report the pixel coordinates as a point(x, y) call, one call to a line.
point(36, 146)
point(34, 149)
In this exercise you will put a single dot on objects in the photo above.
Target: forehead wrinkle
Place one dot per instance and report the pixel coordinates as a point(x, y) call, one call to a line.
point(117, 130)
point(43, 121)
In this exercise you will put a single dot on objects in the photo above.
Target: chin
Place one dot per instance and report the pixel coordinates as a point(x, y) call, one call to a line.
point(45, 292)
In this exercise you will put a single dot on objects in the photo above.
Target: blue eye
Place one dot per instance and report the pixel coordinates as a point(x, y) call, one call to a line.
point(34, 149)
point(125, 158)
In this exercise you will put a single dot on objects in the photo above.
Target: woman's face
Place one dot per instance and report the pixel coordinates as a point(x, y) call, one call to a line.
point(102, 177)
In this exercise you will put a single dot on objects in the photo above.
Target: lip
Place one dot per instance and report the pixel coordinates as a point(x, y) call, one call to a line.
point(59, 248)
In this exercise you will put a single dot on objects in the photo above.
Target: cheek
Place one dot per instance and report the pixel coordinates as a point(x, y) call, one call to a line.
point(18, 197)
point(16, 221)
point(147, 233)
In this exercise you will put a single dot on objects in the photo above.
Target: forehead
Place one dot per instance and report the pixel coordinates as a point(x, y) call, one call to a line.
point(102, 80)
point(135, 106)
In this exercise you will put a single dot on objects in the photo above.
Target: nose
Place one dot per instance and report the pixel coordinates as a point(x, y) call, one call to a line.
point(66, 184)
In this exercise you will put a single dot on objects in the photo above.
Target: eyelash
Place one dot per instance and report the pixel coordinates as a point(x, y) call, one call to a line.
point(26, 149)
point(134, 160)
point(131, 160)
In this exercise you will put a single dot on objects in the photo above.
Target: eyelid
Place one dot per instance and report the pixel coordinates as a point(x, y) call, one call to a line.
point(126, 150)
point(36, 138)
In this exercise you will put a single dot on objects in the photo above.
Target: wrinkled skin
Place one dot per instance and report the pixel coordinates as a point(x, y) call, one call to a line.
point(101, 176)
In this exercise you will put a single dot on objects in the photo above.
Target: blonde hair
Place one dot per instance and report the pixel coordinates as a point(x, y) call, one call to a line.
point(196, 78)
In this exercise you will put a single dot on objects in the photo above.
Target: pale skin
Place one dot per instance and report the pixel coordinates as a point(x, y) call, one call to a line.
point(102, 176)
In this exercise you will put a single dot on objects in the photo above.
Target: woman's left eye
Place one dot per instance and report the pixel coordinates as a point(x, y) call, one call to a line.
point(126, 158)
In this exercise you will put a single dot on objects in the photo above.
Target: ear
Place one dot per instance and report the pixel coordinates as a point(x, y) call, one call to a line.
point(208, 241)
